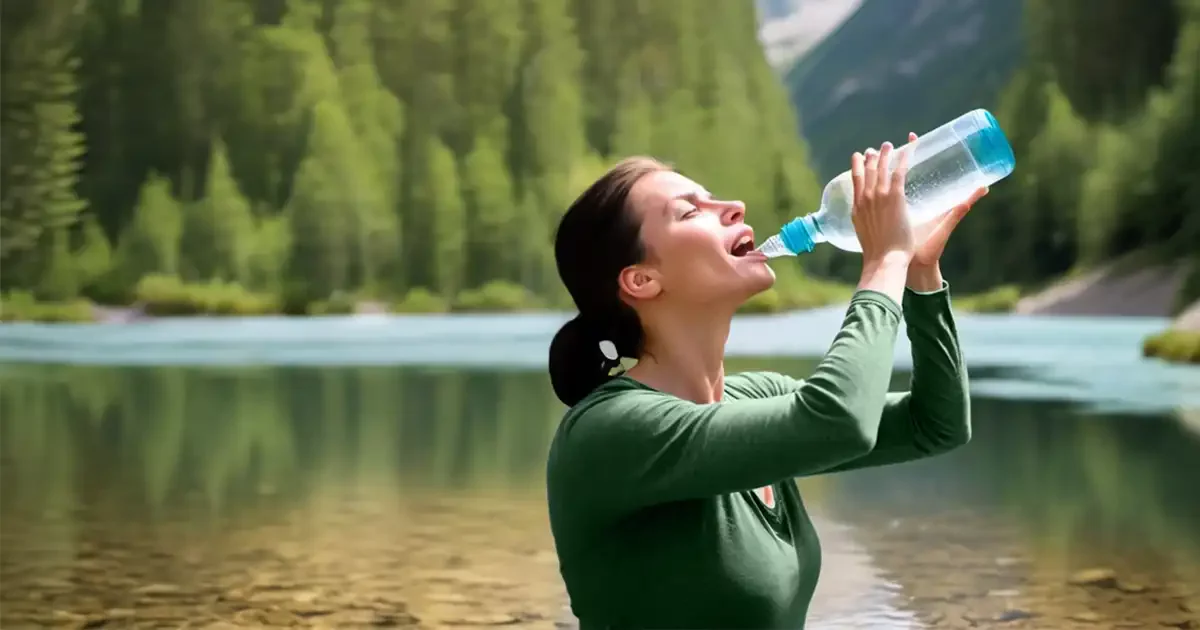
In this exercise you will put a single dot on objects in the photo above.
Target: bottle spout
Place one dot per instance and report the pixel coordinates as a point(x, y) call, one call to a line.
point(773, 248)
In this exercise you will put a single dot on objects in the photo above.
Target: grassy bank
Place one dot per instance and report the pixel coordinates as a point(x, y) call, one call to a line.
point(1002, 299)
point(167, 296)
point(804, 293)
point(1176, 346)
point(818, 293)
point(20, 306)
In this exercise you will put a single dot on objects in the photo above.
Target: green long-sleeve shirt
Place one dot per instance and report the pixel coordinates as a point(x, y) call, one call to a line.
point(651, 496)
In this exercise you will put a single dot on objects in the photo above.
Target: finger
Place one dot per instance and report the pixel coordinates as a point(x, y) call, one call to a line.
point(963, 208)
point(979, 193)
point(912, 137)
point(870, 171)
point(885, 154)
point(856, 175)
point(900, 175)
point(941, 233)
point(956, 214)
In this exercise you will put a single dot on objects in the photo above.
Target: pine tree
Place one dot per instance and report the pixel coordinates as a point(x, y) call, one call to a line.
point(41, 147)
point(220, 227)
point(59, 279)
point(441, 196)
point(376, 116)
point(324, 208)
point(151, 242)
point(490, 209)
point(94, 257)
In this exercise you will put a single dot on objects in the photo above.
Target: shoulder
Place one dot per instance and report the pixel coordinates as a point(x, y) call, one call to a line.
point(617, 403)
point(762, 384)
point(623, 401)
point(624, 409)
point(609, 424)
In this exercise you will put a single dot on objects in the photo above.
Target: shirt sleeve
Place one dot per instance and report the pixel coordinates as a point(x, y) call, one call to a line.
point(934, 416)
point(641, 447)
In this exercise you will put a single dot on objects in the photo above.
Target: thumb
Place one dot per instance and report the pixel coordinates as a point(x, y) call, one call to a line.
point(958, 212)
point(942, 231)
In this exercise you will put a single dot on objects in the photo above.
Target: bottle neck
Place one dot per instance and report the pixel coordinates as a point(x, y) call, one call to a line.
point(815, 220)
point(801, 234)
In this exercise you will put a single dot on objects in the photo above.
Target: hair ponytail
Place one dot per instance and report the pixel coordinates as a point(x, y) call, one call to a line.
point(578, 364)
point(574, 371)
point(597, 238)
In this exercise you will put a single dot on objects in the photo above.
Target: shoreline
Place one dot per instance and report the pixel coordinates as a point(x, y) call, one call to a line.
point(995, 302)
point(1116, 289)
point(1180, 342)
point(1109, 291)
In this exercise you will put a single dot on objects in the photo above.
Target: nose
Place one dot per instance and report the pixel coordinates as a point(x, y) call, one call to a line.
point(734, 212)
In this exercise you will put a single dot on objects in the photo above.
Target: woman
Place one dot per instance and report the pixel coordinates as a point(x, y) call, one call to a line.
point(670, 485)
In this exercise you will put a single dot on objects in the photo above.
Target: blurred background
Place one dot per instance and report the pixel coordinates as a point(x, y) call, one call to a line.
point(277, 284)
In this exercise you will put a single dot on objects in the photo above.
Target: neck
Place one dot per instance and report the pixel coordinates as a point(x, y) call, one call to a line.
point(685, 353)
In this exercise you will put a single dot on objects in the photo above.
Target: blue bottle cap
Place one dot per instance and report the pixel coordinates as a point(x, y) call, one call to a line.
point(797, 235)
point(989, 146)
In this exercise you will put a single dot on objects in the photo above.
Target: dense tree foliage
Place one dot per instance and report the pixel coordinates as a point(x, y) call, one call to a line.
point(375, 149)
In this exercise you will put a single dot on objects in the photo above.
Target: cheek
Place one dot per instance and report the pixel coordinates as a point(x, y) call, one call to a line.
point(690, 255)
point(699, 241)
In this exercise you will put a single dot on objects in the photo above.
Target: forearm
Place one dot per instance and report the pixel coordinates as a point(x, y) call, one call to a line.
point(886, 275)
point(934, 416)
point(940, 399)
point(924, 278)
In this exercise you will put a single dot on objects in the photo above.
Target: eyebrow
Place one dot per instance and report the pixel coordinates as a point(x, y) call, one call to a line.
point(695, 196)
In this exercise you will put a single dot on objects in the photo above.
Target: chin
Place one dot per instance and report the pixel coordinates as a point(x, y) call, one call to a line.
point(762, 279)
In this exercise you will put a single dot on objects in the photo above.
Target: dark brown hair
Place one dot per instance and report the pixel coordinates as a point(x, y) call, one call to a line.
point(598, 237)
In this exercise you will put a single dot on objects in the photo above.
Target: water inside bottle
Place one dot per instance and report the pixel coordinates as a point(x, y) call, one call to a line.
point(942, 182)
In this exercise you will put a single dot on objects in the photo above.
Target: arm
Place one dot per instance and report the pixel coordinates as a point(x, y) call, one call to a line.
point(642, 447)
point(934, 416)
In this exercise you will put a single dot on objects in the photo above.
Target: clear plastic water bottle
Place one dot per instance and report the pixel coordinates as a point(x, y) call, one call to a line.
point(946, 165)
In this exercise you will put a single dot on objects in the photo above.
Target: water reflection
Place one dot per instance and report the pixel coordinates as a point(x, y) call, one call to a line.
point(1045, 495)
point(397, 496)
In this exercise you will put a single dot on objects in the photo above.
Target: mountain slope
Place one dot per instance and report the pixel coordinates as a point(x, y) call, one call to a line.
point(895, 67)
point(790, 28)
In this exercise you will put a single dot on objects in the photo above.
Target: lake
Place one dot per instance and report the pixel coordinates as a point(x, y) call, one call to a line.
point(388, 472)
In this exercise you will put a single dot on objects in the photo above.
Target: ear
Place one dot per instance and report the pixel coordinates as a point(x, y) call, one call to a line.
point(639, 282)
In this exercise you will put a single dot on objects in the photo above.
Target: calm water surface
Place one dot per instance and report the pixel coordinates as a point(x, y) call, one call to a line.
point(362, 472)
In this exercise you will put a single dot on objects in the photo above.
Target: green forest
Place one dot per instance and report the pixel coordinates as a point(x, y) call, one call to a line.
point(299, 156)
point(1103, 113)
point(305, 156)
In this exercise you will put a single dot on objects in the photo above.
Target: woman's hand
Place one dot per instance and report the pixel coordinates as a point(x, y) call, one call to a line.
point(880, 211)
point(924, 272)
point(880, 219)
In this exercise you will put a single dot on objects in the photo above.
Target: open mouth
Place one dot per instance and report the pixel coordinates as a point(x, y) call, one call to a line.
point(743, 246)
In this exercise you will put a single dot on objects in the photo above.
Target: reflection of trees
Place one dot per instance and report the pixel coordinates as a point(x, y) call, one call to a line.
point(1079, 489)
point(139, 442)
point(40, 469)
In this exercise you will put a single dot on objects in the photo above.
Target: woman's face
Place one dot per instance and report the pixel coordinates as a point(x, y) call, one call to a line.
point(699, 250)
